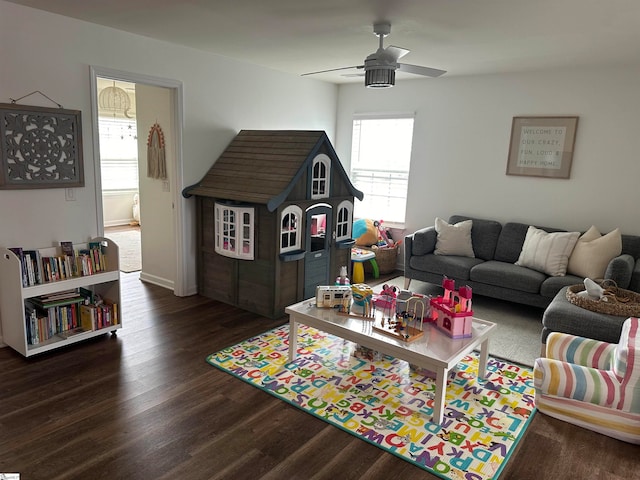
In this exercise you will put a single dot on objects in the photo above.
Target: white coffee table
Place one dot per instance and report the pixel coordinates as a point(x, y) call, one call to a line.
point(434, 351)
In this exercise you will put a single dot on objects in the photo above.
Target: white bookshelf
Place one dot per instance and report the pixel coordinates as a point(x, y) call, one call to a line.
point(13, 295)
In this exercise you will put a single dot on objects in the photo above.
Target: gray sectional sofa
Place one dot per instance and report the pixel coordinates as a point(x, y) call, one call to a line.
point(492, 272)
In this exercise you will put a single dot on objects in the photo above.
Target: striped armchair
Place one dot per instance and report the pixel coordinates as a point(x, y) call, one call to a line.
point(592, 384)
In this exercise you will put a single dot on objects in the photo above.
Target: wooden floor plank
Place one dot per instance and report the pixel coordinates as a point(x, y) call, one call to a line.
point(146, 405)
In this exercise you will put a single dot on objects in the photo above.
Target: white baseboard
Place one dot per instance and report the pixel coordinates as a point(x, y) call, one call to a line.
point(155, 280)
point(117, 223)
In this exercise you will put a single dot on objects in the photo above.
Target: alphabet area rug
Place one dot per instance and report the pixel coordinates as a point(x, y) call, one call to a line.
point(387, 403)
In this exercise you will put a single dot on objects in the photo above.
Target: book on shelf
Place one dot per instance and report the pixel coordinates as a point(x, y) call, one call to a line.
point(47, 301)
point(97, 256)
point(88, 317)
point(43, 324)
point(70, 255)
point(31, 316)
point(38, 267)
point(98, 316)
point(89, 296)
point(72, 333)
point(23, 266)
point(34, 269)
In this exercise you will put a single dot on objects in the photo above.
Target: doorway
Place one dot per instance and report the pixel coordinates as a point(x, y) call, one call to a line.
point(318, 255)
point(154, 101)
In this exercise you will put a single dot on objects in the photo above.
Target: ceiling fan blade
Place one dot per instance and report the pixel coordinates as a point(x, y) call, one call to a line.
point(396, 52)
point(332, 70)
point(418, 70)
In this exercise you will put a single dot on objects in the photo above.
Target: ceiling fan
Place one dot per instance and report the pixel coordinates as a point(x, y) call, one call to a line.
point(380, 67)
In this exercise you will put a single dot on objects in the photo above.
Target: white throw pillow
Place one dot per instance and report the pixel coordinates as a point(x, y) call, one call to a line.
point(454, 239)
point(547, 252)
point(593, 252)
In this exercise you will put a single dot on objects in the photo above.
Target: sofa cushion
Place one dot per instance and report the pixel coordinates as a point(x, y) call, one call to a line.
point(451, 266)
point(508, 275)
point(484, 235)
point(562, 316)
point(634, 284)
point(553, 285)
point(631, 245)
point(511, 239)
point(454, 239)
point(424, 241)
point(547, 252)
point(593, 252)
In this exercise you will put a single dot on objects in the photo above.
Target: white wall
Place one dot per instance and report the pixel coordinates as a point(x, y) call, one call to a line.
point(53, 54)
point(117, 208)
point(461, 143)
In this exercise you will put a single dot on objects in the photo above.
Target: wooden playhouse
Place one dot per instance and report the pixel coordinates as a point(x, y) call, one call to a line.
point(274, 219)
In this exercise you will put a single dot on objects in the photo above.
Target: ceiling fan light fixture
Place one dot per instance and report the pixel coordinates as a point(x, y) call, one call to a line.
point(379, 78)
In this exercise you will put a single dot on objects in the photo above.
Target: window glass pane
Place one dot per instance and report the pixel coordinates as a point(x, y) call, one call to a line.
point(289, 229)
point(118, 153)
point(380, 163)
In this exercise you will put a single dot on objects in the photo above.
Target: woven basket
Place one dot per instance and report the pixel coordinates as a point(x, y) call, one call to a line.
point(386, 258)
point(620, 302)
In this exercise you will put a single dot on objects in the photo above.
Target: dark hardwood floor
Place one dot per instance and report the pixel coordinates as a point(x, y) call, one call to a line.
point(146, 405)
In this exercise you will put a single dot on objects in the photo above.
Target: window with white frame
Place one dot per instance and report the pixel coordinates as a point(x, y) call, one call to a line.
point(320, 171)
point(290, 236)
point(118, 153)
point(344, 220)
point(380, 162)
point(234, 231)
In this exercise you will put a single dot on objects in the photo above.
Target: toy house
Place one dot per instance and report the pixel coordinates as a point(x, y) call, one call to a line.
point(274, 220)
point(452, 310)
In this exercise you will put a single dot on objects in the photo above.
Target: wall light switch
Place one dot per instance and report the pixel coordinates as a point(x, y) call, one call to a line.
point(69, 194)
point(165, 185)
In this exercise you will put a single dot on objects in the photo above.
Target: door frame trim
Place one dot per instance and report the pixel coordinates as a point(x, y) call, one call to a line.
point(178, 201)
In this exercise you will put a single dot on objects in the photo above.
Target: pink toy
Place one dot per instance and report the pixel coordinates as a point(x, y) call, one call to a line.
point(465, 294)
point(342, 279)
point(448, 285)
point(386, 299)
point(453, 317)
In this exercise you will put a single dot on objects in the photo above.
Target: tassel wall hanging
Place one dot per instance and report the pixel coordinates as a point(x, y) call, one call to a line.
point(156, 161)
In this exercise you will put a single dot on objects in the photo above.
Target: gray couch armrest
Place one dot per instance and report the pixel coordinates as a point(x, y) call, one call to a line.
point(620, 270)
point(424, 241)
point(635, 278)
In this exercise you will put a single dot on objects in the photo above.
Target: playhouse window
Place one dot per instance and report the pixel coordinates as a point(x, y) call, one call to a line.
point(290, 229)
point(320, 176)
point(234, 231)
point(344, 220)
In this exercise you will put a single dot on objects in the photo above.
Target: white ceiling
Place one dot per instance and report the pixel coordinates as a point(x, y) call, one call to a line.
point(461, 36)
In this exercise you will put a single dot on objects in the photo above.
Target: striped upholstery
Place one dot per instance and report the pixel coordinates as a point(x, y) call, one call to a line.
point(592, 384)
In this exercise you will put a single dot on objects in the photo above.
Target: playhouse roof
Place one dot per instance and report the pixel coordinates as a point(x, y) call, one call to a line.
point(263, 166)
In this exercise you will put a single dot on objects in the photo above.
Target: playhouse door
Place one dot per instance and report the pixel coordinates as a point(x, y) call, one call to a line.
point(317, 246)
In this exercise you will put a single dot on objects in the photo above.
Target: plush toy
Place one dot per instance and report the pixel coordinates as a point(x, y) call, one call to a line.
point(364, 232)
point(592, 290)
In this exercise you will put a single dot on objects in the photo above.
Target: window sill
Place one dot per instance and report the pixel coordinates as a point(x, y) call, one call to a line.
point(348, 243)
point(293, 256)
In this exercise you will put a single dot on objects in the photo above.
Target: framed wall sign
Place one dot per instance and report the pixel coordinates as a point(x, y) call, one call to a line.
point(40, 147)
point(542, 146)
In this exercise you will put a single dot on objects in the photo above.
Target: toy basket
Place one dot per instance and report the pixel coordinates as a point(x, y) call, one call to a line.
point(619, 302)
point(386, 258)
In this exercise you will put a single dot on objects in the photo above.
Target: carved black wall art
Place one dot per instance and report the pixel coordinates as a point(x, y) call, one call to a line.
point(41, 147)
